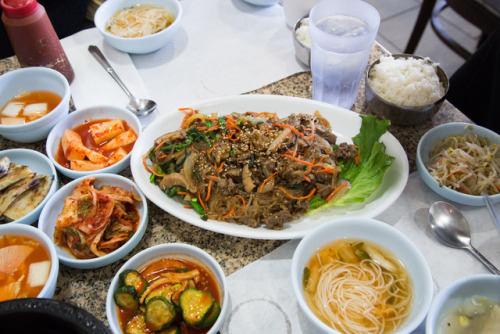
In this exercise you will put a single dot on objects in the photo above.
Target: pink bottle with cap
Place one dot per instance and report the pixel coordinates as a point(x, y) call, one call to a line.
point(33, 37)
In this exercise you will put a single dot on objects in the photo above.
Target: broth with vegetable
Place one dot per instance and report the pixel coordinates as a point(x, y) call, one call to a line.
point(171, 295)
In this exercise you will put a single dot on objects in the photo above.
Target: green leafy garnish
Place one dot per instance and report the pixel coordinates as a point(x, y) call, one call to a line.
point(366, 176)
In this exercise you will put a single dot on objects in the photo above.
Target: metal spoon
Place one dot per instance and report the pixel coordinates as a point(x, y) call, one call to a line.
point(138, 106)
point(452, 228)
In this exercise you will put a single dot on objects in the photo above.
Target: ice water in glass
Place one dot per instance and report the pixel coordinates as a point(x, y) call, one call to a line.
point(341, 47)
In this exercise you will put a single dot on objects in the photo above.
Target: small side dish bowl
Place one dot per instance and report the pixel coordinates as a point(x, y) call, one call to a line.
point(32, 232)
point(84, 115)
point(175, 250)
point(427, 142)
point(145, 44)
point(378, 233)
point(41, 165)
point(400, 114)
point(53, 208)
point(300, 36)
point(452, 296)
point(32, 79)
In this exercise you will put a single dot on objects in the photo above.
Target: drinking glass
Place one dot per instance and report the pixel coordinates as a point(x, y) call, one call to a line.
point(342, 33)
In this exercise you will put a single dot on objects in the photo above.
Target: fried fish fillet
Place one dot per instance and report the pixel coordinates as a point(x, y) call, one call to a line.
point(10, 194)
point(28, 200)
point(14, 174)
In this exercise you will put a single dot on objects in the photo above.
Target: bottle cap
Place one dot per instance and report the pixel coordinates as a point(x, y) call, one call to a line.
point(18, 8)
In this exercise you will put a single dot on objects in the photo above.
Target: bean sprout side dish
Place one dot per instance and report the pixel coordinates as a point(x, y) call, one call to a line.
point(467, 164)
point(255, 168)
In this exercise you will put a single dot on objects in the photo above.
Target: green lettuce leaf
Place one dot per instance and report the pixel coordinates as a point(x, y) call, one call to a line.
point(366, 176)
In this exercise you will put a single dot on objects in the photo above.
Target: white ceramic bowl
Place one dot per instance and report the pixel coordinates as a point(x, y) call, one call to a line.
point(144, 44)
point(81, 116)
point(39, 163)
point(177, 250)
point(430, 138)
point(379, 233)
point(458, 292)
point(29, 79)
point(53, 208)
point(30, 231)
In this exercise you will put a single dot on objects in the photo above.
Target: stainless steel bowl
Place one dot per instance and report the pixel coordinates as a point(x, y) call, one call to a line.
point(302, 52)
point(400, 114)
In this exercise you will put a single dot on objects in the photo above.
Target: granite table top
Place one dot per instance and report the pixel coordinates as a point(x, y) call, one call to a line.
point(88, 288)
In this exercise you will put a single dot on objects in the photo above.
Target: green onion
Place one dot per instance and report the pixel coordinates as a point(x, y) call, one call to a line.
point(222, 123)
point(198, 208)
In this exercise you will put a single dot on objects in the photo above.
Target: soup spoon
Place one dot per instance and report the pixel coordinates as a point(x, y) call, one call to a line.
point(138, 106)
point(452, 228)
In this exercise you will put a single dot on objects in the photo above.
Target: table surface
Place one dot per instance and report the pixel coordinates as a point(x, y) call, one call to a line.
point(233, 253)
point(88, 288)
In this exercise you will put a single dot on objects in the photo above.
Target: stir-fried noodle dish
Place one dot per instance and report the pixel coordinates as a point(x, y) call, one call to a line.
point(251, 168)
point(95, 222)
point(467, 163)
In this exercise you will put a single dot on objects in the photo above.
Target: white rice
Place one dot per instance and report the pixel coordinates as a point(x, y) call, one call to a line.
point(302, 33)
point(410, 81)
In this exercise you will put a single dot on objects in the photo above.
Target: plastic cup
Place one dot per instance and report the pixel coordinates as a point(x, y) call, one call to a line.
point(342, 33)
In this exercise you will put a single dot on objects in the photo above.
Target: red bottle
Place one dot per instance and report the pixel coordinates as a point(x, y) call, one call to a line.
point(33, 38)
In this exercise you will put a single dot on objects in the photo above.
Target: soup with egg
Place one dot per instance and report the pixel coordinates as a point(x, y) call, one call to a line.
point(355, 286)
point(24, 267)
point(28, 106)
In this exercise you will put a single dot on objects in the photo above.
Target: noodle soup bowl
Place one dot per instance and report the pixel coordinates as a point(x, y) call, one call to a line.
point(178, 251)
point(54, 207)
point(433, 136)
point(139, 45)
point(375, 233)
point(33, 233)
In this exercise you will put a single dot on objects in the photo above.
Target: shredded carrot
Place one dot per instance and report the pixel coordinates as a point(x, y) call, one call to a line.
point(244, 205)
point(267, 180)
point(358, 156)
point(212, 148)
point(294, 197)
point(307, 179)
point(201, 128)
point(213, 177)
point(186, 109)
point(183, 193)
point(213, 128)
point(457, 171)
point(336, 190)
point(220, 167)
point(290, 127)
point(228, 214)
point(309, 168)
point(201, 202)
point(155, 173)
point(497, 186)
point(145, 164)
point(296, 159)
point(187, 207)
point(322, 158)
point(160, 144)
point(209, 189)
point(311, 137)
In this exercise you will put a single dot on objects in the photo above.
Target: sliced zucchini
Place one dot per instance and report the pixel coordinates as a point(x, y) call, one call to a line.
point(159, 313)
point(211, 316)
point(195, 305)
point(126, 297)
point(134, 278)
point(136, 325)
point(171, 330)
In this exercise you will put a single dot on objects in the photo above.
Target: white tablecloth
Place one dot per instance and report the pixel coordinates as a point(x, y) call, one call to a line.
point(261, 296)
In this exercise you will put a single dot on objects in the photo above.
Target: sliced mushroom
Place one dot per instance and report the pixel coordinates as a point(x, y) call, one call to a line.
point(246, 175)
point(174, 179)
point(188, 171)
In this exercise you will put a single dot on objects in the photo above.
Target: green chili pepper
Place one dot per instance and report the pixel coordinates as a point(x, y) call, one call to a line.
point(199, 209)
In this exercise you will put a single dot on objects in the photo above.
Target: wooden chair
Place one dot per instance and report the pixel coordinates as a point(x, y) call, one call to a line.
point(484, 17)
